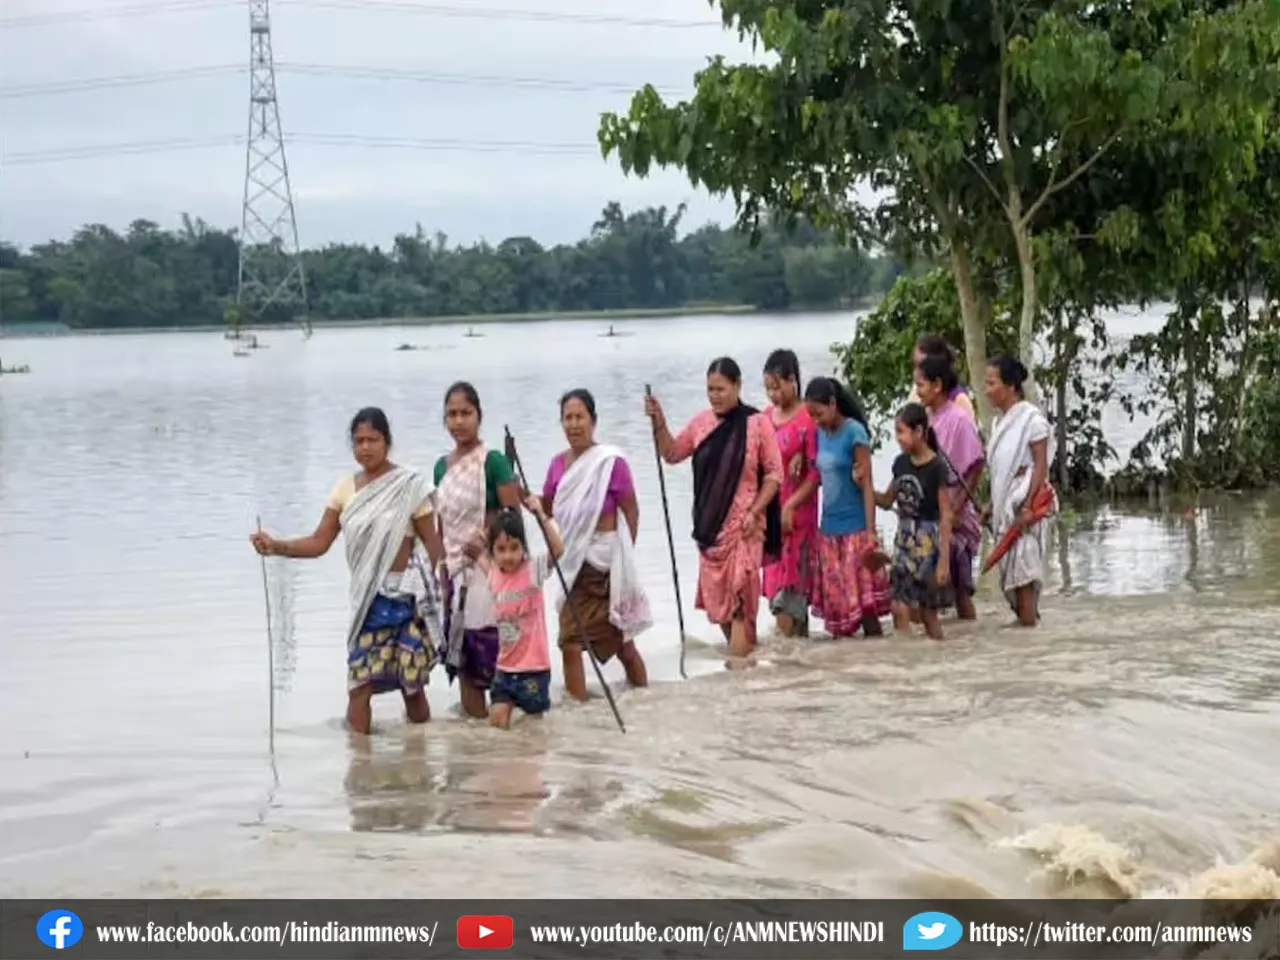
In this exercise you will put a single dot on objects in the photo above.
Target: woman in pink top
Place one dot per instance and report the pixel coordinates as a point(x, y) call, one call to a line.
point(960, 444)
point(523, 675)
point(788, 584)
point(589, 490)
point(932, 345)
point(737, 473)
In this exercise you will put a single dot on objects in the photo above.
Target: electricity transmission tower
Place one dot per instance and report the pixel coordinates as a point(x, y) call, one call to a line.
point(271, 279)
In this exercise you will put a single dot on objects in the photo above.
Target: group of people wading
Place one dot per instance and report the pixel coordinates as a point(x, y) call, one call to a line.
point(475, 603)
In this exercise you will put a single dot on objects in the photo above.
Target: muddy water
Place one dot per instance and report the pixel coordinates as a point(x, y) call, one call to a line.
point(1126, 748)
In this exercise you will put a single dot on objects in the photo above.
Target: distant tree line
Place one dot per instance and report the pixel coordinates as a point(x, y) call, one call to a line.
point(148, 276)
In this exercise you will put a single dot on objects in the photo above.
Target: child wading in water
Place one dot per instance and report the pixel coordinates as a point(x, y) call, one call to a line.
point(523, 676)
point(921, 575)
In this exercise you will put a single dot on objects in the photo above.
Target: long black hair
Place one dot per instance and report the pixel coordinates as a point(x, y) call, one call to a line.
point(372, 417)
point(727, 367)
point(468, 393)
point(831, 390)
point(936, 367)
point(930, 344)
point(915, 417)
point(1011, 371)
point(785, 365)
point(508, 521)
point(584, 397)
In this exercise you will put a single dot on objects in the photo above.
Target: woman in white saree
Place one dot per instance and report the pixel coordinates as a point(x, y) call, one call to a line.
point(590, 493)
point(1019, 454)
point(395, 612)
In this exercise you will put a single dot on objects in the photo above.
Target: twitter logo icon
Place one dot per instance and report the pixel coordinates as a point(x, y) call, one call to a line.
point(931, 931)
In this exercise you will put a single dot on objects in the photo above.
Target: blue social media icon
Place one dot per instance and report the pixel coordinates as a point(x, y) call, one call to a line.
point(931, 931)
point(59, 929)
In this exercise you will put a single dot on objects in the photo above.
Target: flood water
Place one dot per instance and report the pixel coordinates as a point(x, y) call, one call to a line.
point(1125, 748)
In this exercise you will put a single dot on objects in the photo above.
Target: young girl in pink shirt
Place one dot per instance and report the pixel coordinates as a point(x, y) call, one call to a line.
point(523, 677)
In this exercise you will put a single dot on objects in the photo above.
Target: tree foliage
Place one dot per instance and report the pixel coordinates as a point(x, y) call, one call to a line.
point(1061, 157)
point(147, 276)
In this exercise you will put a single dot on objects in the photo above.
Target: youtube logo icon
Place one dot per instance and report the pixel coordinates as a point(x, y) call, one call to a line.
point(486, 933)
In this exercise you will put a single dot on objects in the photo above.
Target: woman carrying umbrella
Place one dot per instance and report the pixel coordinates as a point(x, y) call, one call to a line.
point(1022, 498)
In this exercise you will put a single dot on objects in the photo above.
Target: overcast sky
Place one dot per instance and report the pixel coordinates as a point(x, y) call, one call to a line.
point(357, 193)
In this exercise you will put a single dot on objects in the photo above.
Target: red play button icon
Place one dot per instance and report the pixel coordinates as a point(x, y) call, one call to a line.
point(486, 933)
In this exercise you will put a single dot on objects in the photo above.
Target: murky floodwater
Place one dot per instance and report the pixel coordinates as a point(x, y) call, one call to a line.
point(1126, 747)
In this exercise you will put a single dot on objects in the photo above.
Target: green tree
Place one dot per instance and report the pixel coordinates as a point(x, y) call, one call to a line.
point(16, 305)
point(630, 260)
point(975, 119)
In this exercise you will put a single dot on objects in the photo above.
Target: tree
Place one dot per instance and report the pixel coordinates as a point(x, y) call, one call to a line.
point(975, 119)
point(630, 260)
point(15, 299)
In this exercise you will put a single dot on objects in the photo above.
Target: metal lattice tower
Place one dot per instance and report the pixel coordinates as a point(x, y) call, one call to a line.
point(271, 276)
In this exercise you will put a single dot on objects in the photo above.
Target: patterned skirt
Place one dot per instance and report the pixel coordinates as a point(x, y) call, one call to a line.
point(915, 566)
point(393, 651)
point(848, 592)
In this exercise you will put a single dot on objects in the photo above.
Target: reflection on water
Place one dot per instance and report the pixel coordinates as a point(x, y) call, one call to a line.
point(1224, 540)
point(390, 787)
point(1124, 747)
point(408, 781)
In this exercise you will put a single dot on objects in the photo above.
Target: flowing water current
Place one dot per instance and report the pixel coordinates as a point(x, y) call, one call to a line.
point(1126, 748)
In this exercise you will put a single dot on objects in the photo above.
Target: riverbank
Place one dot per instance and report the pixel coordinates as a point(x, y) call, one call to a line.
point(475, 320)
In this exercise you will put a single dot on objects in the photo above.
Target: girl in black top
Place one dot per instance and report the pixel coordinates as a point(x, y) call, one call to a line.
point(920, 577)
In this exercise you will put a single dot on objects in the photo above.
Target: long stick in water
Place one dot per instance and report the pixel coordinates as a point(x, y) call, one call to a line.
point(963, 485)
point(271, 657)
point(514, 457)
point(671, 541)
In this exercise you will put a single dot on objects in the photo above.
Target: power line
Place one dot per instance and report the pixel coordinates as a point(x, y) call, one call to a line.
point(53, 88)
point(468, 11)
point(551, 84)
point(115, 149)
point(434, 144)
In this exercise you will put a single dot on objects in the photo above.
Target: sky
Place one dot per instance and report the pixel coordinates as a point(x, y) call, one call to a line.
point(343, 193)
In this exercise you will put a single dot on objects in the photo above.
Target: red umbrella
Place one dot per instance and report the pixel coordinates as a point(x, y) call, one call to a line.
point(1041, 506)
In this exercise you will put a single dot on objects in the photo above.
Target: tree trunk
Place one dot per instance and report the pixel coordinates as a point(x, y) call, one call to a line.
point(1062, 363)
point(1027, 316)
point(1189, 404)
point(1247, 366)
point(975, 329)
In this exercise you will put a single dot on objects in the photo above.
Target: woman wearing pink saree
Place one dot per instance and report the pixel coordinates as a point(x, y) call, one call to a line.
point(961, 446)
point(737, 472)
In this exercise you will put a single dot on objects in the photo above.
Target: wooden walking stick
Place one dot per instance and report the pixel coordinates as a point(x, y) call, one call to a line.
point(968, 491)
point(514, 457)
point(671, 541)
point(271, 658)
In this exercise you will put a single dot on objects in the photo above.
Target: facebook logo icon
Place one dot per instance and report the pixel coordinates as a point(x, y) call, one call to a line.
point(59, 929)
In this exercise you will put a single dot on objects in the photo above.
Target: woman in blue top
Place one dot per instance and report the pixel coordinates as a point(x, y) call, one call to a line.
point(850, 594)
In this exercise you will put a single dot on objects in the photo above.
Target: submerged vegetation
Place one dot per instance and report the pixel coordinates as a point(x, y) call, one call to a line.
point(1055, 160)
point(149, 277)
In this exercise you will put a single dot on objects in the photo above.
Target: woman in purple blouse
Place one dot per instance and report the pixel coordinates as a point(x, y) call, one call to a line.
point(590, 493)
